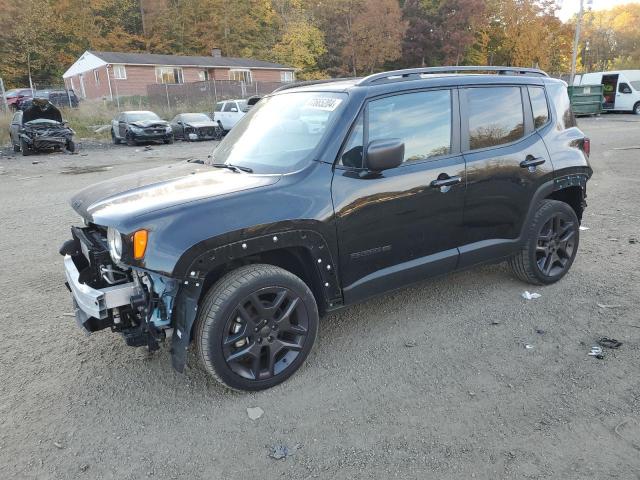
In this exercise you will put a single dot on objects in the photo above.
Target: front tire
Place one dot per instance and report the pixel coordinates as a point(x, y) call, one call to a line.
point(255, 327)
point(130, 140)
point(636, 108)
point(114, 139)
point(551, 244)
point(71, 146)
point(26, 151)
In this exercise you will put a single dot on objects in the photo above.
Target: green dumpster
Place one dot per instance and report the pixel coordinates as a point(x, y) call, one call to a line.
point(586, 99)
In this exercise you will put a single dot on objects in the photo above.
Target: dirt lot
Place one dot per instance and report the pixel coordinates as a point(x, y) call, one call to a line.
point(430, 382)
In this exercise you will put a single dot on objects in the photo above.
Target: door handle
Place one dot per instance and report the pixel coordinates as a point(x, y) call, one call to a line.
point(445, 182)
point(532, 161)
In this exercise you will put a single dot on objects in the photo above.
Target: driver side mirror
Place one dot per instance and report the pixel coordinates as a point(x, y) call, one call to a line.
point(626, 90)
point(234, 109)
point(385, 154)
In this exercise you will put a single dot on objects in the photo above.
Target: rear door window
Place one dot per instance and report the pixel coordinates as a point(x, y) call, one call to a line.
point(422, 120)
point(539, 106)
point(495, 116)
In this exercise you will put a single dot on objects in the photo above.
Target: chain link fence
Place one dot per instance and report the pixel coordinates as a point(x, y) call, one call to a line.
point(202, 96)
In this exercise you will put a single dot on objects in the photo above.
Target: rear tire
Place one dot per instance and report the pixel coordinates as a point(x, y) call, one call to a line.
point(255, 327)
point(16, 147)
point(550, 244)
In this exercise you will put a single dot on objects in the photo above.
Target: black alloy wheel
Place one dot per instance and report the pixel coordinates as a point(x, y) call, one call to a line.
point(265, 333)
point(556, 244)
point(255, 327)
point(550, 244)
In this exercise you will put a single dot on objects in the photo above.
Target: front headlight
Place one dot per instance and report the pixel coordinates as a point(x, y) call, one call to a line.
point(114, 240)
point(135, 129)
point(169, 129)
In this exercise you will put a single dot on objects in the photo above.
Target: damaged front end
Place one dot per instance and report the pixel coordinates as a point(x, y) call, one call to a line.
point(47, 135)
point(43, 128)
point(132, 301)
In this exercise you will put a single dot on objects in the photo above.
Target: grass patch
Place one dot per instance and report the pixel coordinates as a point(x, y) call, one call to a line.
point(5, 121)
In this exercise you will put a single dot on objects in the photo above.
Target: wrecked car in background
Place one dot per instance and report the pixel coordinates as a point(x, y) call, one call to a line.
point(40, 127)
point(140, 126)
point(195, 126)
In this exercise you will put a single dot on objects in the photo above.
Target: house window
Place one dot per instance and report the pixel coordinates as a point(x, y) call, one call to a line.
point(96, 76)
point(119, 72)
point(169, 75)
point(287, 77)
point(240, 75)
point(203, 75)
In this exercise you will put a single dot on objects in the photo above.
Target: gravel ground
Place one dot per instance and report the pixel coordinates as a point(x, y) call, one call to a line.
point(433, 381)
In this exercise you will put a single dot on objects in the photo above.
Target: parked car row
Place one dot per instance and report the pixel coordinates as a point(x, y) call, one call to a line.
point(132, 127)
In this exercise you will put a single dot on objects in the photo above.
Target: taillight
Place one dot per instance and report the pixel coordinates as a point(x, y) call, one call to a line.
point(586, 146)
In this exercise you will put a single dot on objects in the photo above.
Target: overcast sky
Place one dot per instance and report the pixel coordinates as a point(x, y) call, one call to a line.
point(570, 7)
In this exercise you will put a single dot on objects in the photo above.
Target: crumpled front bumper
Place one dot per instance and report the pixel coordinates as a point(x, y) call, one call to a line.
point(91, 303)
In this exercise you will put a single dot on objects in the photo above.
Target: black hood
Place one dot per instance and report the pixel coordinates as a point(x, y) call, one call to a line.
point(36, 113)
point(118, 200)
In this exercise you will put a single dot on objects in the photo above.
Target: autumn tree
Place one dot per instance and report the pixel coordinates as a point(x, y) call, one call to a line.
point(376, 36)
point(526, 33)
point(441, 31)
point(611, 38)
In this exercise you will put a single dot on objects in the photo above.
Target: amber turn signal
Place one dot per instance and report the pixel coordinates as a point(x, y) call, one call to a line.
point(140, 243)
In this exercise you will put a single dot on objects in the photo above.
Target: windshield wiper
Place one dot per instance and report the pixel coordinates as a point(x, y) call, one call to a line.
point(235, 168)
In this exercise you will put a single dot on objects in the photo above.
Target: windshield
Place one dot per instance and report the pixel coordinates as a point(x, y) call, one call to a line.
point(136, 117)
point(280, 133)
point(635, 84)
point(195, 117)
point(243, 105)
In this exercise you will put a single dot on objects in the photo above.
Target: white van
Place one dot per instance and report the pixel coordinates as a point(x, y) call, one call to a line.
point(621, 88)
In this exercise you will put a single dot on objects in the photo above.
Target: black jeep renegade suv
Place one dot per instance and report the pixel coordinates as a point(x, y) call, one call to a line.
point(323, 195)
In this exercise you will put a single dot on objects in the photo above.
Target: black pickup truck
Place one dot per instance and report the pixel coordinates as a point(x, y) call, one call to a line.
point(325, 194)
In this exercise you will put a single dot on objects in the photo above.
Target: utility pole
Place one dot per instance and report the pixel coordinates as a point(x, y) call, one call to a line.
point(29, 71)
point(4, 98)
point(576, 41)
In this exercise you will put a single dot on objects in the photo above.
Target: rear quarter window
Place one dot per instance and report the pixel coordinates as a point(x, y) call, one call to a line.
point(559, 100)
point(495, 116)
point(539, 106)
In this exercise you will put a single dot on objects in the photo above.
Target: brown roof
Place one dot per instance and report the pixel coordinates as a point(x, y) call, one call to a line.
point(180, 60)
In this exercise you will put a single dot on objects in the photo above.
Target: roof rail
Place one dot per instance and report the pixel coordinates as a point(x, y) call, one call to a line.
point(304, 83)
point(415, 72)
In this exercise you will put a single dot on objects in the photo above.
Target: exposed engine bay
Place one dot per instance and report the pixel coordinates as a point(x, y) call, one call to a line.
point(131, 301)
point(43, 128)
